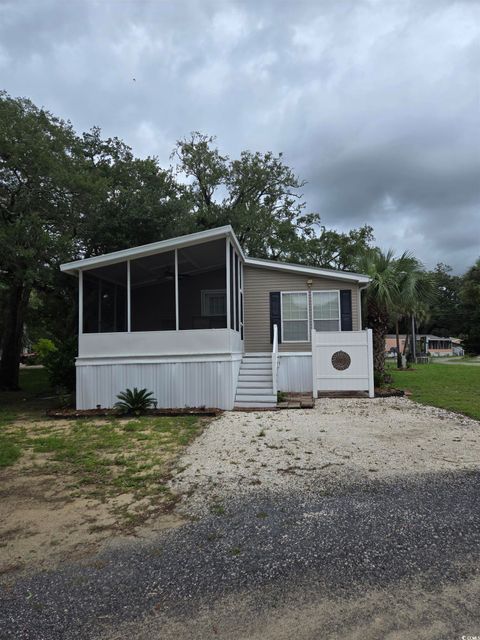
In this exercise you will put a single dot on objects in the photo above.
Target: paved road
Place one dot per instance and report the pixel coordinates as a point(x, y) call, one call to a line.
point(474, 362)
point(397, 559)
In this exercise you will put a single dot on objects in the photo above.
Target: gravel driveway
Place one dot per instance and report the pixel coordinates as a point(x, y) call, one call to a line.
point(358, 520)
point(315, 451)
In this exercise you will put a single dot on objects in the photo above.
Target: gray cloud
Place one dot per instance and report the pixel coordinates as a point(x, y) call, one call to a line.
point(375, 104)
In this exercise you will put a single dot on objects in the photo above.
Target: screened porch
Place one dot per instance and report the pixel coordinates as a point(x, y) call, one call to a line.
point(168, 295)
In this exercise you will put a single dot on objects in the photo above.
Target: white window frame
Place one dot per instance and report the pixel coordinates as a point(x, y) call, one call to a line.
point(214, 292)
point(305, 293)
point(337, 291)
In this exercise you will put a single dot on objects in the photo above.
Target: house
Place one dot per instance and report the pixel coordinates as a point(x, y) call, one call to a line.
point(200, 324)
point(426, 343)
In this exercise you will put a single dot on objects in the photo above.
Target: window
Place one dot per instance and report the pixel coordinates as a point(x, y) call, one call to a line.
point(214, 302)
point(326, 310)
point(295, 316)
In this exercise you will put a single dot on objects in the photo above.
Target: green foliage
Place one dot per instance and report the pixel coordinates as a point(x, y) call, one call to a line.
point(60, 364)
point(9, 451)
point(136, 401)
point(470, 296)
point(445, 312)
point(43, 348)
point(258, 194)
point(398, 287)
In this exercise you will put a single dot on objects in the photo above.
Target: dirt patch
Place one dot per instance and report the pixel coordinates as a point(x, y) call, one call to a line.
point(78, 486)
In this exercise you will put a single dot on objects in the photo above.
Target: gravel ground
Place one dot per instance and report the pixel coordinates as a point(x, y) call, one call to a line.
point(326, 552)
point(315, 451)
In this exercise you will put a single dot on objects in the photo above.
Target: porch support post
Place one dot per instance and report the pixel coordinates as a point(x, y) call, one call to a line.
point(80, 302)
point(234, 292)
point(227, 260)
point(371, 382)
point(314, 363)
point(129, 300)
point(177, 316)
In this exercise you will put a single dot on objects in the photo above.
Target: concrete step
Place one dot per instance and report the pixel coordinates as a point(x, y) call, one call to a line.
point(255, 397)
point(254, 405)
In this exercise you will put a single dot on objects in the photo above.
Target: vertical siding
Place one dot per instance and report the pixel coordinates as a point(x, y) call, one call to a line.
point(258, 284)
point(295, 373)
point(174, 384)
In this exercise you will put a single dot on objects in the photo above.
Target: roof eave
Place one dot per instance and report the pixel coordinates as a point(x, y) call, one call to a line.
point(314, 271)
point(155, 247)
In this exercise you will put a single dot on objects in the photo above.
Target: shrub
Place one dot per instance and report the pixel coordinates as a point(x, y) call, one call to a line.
point(60, 364)
point(43, 348)
point(136, 401)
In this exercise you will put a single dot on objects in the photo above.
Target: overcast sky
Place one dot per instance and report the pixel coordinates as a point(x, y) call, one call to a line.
point(374, 102)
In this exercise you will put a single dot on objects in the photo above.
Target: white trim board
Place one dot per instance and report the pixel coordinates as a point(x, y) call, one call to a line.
point(312, 271)
point(154, 247)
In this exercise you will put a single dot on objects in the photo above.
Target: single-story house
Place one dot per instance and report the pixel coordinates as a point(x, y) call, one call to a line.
point(426, 343)
point(199, 323)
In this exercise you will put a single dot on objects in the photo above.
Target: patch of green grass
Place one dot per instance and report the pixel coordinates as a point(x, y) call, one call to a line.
point(10, 452)
point(448, 386)
point(217, 509)
point(107, 458)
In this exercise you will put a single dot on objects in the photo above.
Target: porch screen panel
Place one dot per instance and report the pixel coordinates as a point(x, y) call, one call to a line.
point(237, 293)
point(295, 316)
point(232, 287)
point(105, 299)
point(152, 292)
point(202, 294)
point(326, 310)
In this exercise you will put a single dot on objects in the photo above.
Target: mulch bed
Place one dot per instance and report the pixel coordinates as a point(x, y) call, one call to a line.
point(389, 392)
point(109, 413)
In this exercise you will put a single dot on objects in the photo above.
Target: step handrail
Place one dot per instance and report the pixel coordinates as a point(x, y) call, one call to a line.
point(274, 359)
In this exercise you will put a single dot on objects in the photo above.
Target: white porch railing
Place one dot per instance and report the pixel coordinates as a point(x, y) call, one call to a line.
point(275, 359)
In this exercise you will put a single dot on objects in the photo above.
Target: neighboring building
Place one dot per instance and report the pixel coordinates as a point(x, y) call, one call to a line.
point(426, 343)
point(197, 322)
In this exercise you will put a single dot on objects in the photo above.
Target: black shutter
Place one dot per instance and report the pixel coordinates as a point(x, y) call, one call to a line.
point(346, 309)
point(275, 314)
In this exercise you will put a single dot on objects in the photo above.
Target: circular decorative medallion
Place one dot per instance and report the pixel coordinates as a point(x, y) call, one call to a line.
point(341, 360)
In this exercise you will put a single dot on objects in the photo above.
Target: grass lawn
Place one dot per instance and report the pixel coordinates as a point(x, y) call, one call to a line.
point(103, 456)
point(454, 387)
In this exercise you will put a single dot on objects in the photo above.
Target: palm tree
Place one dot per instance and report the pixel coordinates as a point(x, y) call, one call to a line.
point(397, 286)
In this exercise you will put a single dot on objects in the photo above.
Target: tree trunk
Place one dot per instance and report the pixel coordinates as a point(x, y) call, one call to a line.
point(379, 332)
point(399, 355)
point(377, 320)
point(11, 346)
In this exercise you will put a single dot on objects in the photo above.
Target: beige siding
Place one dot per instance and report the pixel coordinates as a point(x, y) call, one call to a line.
point(258, 284)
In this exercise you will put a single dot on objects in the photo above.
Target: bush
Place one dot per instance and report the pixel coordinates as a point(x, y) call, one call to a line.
point(60, 364)
point(136, 401)
point(43, 348)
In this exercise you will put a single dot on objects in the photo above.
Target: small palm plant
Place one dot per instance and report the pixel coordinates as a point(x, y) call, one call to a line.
point(135, 401)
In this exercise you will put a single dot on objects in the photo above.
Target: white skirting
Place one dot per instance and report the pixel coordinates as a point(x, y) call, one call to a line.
point(175, 384)
point(295, 372)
